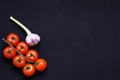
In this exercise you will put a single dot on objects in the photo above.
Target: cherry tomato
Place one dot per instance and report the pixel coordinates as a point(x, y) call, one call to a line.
point(40, 64)
point(13, 39)
point(32, 55)
point(19, 61)
point(9, 53)
point(22, 47)
point(29, 70)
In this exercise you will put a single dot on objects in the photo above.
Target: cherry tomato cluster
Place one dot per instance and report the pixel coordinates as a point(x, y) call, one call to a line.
point(22, 56)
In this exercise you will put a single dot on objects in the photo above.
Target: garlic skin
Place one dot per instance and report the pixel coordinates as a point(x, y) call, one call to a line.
point(32, 39)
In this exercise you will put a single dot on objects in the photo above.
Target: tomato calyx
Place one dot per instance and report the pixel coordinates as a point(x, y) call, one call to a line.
point(36, 63)
point(12, 38)
point(19, 60)
point(21, 47)
point(27, 68)
point(31, 55)
point(9, 51)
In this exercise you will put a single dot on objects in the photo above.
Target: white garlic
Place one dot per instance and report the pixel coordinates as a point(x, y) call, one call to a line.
point(31, 38)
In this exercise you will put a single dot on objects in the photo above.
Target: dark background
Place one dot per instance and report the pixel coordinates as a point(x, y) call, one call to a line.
point(80, 39)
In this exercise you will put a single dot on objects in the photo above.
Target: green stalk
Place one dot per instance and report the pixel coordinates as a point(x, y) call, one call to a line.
point(20, 24)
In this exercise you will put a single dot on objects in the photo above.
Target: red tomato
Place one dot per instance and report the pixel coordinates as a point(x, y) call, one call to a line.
point(19, 61)
point(32, 55)
point(9, 53)
point(13, 39)
point(40, 64)
point(29, 70)
point(22, 47)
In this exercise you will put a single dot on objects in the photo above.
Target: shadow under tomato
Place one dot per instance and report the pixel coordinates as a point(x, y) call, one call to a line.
point(36, 75)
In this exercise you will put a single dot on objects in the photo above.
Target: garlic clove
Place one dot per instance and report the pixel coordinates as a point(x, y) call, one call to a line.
point(37, 37)
point(28, 40)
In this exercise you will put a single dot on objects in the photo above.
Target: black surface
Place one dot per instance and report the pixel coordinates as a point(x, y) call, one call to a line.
point(80, 39)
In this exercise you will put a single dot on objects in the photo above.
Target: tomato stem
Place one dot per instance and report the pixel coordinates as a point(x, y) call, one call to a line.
point(9, 52)
point(19, 60)
point(20, 24)
point(16, 50)
point(28, 67)
point(13, 38)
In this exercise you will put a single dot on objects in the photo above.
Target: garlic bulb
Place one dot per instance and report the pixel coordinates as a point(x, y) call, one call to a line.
point(31, 38)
